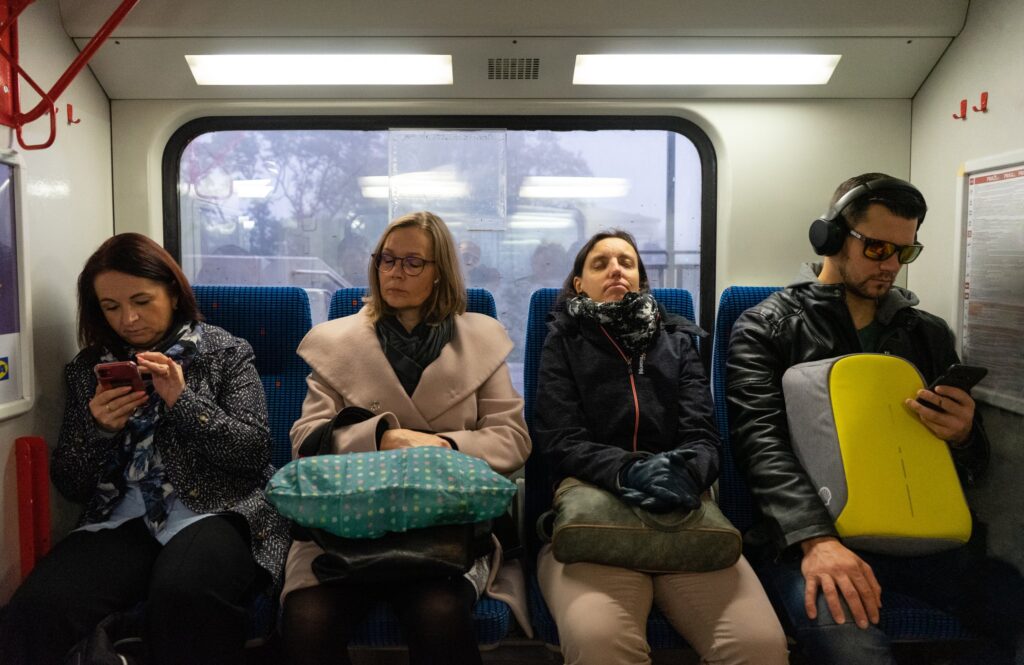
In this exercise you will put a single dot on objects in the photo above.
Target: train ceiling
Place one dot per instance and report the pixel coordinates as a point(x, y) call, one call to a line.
point(888, 47)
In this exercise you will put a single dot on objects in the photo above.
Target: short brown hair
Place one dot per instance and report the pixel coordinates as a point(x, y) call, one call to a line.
point(449, 294)
point(133, 254)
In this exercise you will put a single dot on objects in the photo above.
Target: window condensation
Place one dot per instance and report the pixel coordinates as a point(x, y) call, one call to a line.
point(306, 207)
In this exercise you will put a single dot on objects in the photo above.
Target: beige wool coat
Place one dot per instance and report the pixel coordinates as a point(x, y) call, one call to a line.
point(466, 394)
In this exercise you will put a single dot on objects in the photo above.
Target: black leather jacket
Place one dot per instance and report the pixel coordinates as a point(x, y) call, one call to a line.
point(804, 322)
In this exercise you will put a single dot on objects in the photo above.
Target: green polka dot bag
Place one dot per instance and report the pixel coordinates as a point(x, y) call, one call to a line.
point(365, 495)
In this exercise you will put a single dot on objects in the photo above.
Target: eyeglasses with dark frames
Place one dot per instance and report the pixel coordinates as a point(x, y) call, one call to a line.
point(411, 265)
point(880, 250)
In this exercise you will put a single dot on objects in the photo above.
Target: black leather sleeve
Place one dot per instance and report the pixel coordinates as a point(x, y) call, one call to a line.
point(760, 435)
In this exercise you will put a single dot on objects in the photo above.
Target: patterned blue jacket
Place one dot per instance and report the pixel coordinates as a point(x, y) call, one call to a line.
point(215, 443)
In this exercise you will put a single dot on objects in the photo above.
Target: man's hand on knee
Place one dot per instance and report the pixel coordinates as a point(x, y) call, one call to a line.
point(830, 566)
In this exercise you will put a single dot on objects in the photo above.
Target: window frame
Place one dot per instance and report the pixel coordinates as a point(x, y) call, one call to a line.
point(171, 163)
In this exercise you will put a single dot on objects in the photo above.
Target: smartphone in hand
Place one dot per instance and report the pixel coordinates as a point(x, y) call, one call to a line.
point(117, 374)
point(959, 376)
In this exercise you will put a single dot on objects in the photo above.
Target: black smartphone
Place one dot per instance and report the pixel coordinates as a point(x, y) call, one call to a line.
point(959, 376)
point(117, 374)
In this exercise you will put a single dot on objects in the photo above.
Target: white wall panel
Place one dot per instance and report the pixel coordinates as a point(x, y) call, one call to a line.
point(68, 212)
point(987, 56)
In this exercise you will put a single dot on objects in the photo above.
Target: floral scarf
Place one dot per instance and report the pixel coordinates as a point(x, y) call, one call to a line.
point(137, 459)
point(632, 321)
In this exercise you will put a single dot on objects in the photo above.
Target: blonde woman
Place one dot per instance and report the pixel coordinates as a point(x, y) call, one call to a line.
point(432, 375)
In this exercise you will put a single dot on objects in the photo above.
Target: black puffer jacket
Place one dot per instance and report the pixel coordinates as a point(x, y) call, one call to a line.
point(804, 322)
point(587, 418)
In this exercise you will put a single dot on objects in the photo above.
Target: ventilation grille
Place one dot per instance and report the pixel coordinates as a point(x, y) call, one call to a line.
point(513, 69)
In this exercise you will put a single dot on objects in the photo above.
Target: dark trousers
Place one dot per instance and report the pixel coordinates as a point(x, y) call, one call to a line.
point(195, 591)
point(986, 594)
point(436, 618)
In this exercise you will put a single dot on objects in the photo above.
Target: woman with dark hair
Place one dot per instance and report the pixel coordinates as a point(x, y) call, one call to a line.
point(623, 404)
point(430, 374)
point(171, 476)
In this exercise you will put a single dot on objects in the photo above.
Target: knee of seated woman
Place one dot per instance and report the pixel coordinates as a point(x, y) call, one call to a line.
point(43, 607)
point(173, 595)
point(763, 644)
point(439, 602)
point(601, 631)
point(593, 646)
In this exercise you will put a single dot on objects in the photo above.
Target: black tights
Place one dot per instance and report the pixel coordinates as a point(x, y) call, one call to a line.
point(436, 618)
point(195, 590)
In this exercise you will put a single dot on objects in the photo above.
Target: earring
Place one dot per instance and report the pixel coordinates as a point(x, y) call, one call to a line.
point(437, 280)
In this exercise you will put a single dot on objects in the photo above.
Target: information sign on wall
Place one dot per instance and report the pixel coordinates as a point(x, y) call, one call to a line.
point(15, 342)
point(993, 287)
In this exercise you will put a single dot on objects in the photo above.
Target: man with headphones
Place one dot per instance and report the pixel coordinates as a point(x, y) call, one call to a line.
point(829, 594)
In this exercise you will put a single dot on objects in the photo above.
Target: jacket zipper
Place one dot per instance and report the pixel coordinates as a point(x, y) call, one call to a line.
point(632, 385)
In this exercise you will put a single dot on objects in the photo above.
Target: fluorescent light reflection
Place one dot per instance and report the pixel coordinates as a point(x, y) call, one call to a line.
point(49, 189)
point(418, 184)
point(564, 187)
point(252, 189)
point(704, 69)
point(522, 241)
point(321, 69)
point(542, 220)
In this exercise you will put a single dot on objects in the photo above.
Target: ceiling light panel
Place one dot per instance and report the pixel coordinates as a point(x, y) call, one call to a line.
point(321, 69)
point(704, 69)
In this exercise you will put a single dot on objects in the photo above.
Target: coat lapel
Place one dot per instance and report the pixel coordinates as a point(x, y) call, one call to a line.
point(347, 355)
point(472, 356)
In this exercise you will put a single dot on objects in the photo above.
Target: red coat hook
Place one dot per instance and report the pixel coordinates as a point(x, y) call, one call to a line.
point(984, 104)
point(72, 120)
point(963, 111)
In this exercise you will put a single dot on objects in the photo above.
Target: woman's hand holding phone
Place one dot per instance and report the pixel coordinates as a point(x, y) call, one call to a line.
point(112, 407)
point(168, 379)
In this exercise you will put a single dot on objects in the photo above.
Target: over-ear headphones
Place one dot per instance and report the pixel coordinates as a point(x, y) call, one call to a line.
point(828, 232)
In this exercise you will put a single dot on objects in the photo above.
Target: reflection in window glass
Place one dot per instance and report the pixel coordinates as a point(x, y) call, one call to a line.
point(306, 207)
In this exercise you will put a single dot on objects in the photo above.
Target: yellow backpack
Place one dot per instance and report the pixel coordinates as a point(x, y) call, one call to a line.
point(888, 482)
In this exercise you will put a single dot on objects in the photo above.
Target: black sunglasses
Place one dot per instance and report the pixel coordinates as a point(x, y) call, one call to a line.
point(880, 250)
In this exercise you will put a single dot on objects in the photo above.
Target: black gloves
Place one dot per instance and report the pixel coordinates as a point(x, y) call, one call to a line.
point(660, 483)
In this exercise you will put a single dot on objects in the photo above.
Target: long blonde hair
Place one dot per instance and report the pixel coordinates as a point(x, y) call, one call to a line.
point(449, 294)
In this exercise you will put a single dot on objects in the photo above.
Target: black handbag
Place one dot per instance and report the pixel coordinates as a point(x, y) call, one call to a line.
point(115, 640)
point(437, 551)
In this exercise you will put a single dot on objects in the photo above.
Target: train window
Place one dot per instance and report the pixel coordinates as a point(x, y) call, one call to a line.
point(304, 206)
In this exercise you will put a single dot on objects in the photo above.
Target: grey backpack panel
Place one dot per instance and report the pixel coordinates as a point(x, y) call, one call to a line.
point(810, 416)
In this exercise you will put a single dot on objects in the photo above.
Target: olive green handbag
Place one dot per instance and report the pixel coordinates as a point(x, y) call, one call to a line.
point(589, 524)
